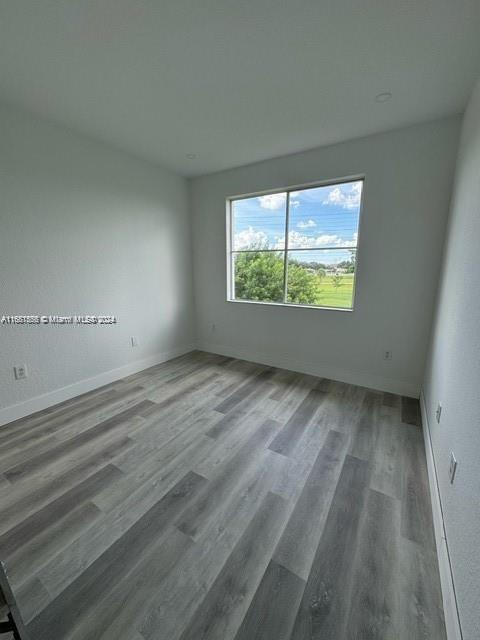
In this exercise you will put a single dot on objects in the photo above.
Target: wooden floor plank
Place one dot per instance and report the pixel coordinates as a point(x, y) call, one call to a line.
point(181, 594)
point(38, 521)
point(372, 600)
point(244, 391)
point(287, 439)
point(208, 497)
point(198, 515)
point(411, 411)
point(224, 607)
point(300, 539)
point(129, 603)
point(17, 506)
point(20, 471)
point(326, 599)
point(62, 614)
point(271, 614)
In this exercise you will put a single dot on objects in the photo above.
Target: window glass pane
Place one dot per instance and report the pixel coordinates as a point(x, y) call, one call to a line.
point(258, 275)
point(325, 216)
point(322, 278)
point(259, 223)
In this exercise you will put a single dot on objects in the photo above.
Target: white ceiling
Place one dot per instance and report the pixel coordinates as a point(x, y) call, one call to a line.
point(236, 81)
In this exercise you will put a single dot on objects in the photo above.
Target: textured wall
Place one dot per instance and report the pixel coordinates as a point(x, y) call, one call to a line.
point(86, 230)
point(406, 194)
point(453, 376)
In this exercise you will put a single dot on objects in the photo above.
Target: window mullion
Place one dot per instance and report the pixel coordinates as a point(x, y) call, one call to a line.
point(285, 253)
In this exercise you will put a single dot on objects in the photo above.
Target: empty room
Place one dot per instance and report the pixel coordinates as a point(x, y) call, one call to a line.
point(239, 320)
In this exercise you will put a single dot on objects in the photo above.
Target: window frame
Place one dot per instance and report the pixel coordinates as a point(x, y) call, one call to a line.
point(230, 252)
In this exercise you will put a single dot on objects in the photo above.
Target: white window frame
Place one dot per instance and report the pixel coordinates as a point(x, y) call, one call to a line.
point(230, 251)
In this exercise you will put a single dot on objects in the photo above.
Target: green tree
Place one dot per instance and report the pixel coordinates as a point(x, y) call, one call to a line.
point(259, 276)
point(303, 286)
point(337, 280)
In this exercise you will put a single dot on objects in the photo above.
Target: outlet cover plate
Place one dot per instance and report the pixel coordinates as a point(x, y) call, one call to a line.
point(20, 372)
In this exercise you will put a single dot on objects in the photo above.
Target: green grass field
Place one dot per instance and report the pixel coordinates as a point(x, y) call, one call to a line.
point(329, 296)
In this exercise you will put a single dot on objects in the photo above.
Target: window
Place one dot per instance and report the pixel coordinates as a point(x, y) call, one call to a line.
point(298, 246)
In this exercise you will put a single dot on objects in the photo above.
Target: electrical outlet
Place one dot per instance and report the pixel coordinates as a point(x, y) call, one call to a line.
point(453, 467)
point(387, 355)
point(438, 412)
point(20, 372)
point(134, 341)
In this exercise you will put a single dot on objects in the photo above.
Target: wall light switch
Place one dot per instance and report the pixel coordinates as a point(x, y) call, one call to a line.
point(134, 341)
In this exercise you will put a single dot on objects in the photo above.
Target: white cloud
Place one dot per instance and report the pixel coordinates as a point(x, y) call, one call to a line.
point(298, 240)
point(272, 201)
point(306, 224)
point(249, 238)
point(348, 199)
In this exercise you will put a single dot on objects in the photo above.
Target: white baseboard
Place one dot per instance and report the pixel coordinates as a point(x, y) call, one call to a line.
point(452, 621)
point(38, 403)
point(321, 369)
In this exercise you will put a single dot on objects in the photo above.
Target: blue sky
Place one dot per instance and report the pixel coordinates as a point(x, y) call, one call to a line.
point(322, 217)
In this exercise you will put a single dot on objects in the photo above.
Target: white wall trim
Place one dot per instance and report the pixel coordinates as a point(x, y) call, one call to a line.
point(321, 369)
point(452, 621)
point(38, 403)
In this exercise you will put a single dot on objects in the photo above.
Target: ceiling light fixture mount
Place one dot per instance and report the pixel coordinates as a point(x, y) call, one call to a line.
point(385, 96)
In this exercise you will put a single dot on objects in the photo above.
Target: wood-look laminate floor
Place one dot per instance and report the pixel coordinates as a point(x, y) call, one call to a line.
point(214, 499)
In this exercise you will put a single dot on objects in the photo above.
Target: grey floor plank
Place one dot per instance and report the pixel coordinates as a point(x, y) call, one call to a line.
point(63, 613)
point(244, 391)
point(418, 612)
point(37, 522)
point(325, 603)
point(32, 597)
point(28, 467)
point(411, 411)
point(22, 504)
point(51, 540)
point(182, 593)
point(128, 603)
point(81, 415)
point(299, 542)
point(388, 465)
point(417, 520)
point(228, 444)
point(174, 395)
point(271, 614)
point(372, 600)
point(302, 504)
point(53, 418)
point(222, 611)
point(202, 511)
point(365, 431)
point(287, 439)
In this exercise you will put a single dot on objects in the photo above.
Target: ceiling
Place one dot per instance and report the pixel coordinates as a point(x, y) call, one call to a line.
point(236, 81)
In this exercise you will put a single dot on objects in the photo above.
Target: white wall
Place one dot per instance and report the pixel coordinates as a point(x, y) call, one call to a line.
point(406, 195)
point(453, 376)
point(85, 229)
